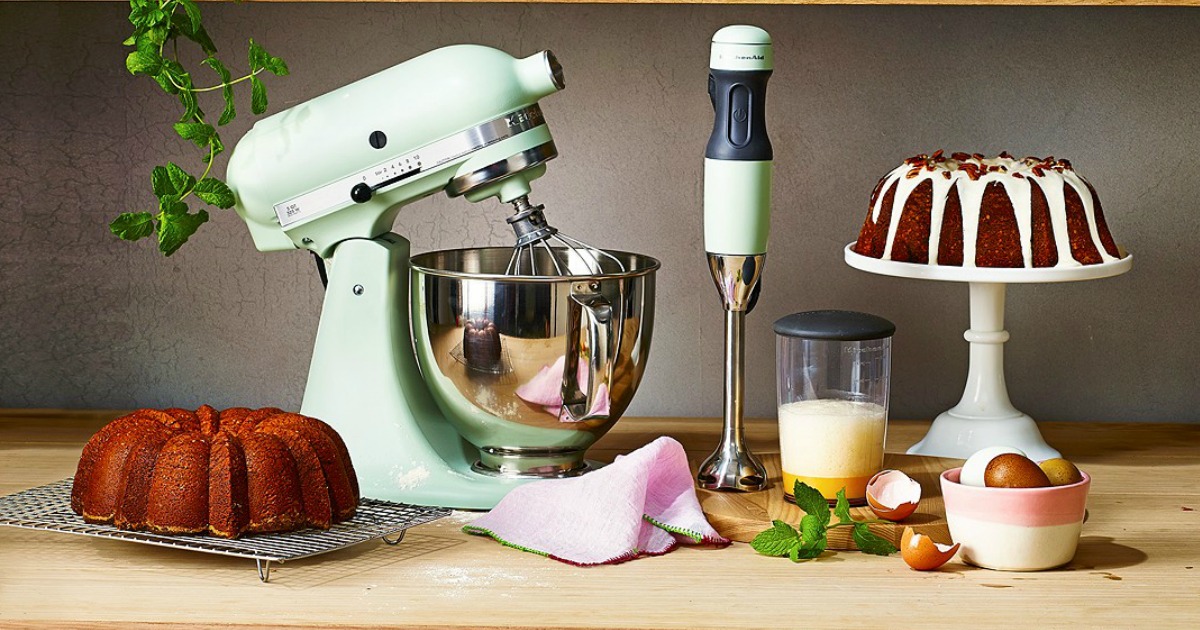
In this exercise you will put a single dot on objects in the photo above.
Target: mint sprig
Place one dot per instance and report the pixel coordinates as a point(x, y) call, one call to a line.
point(811, 540)
point(777, 541)
point(158, 28)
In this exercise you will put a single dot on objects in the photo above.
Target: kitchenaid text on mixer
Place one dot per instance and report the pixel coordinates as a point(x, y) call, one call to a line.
point(523, 357)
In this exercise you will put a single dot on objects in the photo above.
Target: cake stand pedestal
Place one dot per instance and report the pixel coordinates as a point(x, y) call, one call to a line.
point(985, 416)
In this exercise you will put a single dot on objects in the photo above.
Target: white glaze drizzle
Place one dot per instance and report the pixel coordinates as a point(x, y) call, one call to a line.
point(937, 214)
point(970, 195)
point(1021, 197)
point(888, 180)
point(903, 190)
point(1056, 201)
point(1089, 209)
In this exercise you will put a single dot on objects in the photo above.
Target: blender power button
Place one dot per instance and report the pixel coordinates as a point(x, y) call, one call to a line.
point(739, 119)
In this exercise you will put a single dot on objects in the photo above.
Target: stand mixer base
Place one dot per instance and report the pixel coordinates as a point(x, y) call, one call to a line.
point(514, 464)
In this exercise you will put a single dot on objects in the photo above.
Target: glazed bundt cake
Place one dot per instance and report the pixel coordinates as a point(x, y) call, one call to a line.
point(225, 473)
point(973, 211)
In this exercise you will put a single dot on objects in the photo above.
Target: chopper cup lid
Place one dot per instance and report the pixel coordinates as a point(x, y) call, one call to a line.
point(835, 326)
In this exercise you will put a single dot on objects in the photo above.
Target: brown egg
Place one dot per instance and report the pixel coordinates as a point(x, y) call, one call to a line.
point(1014, 471)
point(1060, 472)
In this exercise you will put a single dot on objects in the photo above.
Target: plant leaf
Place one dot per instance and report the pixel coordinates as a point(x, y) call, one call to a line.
point(256, 56)
point(813, 534)
point(214, 191)
point(258, 96)
point(176, 225)
point(806, 553)
point(178, 77)
point(140, 10)
point(215, 146)
point(197, 34)
point(842, 508)
point(142, 62)
point(872, 543)
point(164, 82)
point(187, 98)
point(810, 500)
point(777, 541)
point(812, 531)
point(157, 35)
point(230, 111)
point(181, 182)
point(200, 36)
point(160, 181)
point(171, 204)
point(226, 89)
point(146, 14)
point(197, 132)
point(277, 67)
point(260, 59)
point(218, 67)
point(193, 13)
point(132, 226)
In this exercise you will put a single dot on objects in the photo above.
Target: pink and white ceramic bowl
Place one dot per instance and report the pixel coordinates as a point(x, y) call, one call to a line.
point(1015, 529)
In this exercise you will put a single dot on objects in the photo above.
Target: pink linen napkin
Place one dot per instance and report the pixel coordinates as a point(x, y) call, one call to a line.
point(643, 504)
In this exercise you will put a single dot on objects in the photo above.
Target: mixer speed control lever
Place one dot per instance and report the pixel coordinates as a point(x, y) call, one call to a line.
point(361, 193)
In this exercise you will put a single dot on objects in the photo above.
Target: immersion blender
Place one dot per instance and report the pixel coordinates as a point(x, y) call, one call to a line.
point(737, 218)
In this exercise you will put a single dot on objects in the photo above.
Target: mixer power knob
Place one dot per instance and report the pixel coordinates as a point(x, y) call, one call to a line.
point(361, 193)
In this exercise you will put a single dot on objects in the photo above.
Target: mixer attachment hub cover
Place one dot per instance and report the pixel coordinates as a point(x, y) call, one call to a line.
point(529, 223)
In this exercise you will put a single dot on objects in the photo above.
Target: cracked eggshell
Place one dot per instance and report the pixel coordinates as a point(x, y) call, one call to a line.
point(973, 470)
point(893, 495)
point(921, 553)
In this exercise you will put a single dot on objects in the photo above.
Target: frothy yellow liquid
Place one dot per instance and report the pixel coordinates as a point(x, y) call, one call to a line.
point(831, 444)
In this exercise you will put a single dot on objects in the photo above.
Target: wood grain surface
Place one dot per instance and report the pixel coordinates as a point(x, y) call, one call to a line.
point(741, 516)
point(1115, 3)
point(1138, 562)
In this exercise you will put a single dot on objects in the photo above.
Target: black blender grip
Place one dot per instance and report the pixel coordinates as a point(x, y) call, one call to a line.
point(739, 99)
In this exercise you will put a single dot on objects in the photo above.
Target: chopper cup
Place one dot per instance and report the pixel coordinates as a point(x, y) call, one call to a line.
point(531, 369)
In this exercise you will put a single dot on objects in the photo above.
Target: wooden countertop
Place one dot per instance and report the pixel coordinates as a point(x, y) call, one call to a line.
point(1117, 3)
point(1138, 561)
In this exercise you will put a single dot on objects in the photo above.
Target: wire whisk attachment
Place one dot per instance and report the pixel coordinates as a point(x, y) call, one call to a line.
point(542, 250)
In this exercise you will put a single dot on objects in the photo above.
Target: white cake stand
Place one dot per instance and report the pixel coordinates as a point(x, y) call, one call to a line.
point(985, 416)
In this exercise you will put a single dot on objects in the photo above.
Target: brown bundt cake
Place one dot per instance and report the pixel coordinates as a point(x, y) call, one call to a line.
point(225, 473)
point(972, 211)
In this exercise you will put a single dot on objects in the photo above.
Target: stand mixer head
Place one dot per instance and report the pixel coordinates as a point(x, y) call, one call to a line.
point(330, 175)
point(373, 150)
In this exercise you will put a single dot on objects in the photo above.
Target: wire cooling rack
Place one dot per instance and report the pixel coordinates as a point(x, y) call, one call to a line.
point(48, 507)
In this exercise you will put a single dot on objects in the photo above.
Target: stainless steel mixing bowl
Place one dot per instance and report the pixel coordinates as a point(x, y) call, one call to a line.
point(531, 369)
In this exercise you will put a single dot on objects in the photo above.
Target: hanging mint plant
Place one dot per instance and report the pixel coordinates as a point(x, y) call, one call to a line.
point(157, 28)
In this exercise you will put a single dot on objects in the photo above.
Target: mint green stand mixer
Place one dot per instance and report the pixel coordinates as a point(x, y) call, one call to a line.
point(461, 402)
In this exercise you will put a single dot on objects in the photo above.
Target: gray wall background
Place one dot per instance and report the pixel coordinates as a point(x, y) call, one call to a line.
point(92, 322)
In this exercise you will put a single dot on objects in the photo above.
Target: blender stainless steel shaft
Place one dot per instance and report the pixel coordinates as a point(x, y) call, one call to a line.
point(737, 217)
